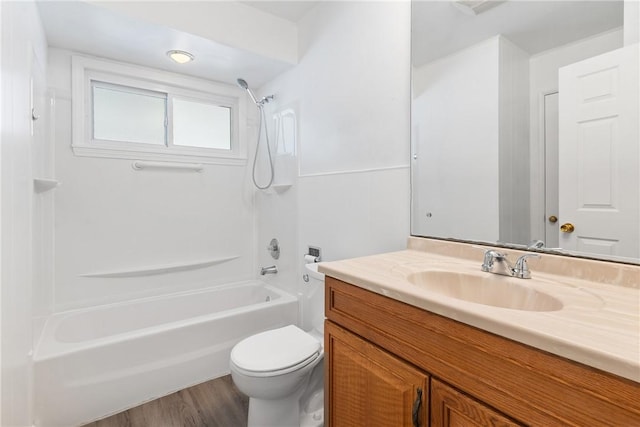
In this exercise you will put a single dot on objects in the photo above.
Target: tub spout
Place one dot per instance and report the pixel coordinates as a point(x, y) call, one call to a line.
point(268, 270)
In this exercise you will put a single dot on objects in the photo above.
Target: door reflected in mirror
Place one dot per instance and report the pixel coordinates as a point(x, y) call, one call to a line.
point(525, 125)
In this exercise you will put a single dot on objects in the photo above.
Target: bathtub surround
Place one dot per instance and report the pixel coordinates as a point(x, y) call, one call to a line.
point(25, 218)
point(111, 217)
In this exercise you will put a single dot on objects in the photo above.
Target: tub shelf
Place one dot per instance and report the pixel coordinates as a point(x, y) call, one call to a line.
point(160, 269)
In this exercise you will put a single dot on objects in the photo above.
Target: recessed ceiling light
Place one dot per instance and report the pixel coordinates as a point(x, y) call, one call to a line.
point(180, 56)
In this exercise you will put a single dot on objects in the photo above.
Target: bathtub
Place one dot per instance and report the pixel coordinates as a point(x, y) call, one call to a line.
point(94, 362)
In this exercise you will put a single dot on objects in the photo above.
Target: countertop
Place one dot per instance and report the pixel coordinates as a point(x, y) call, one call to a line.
point(598, 325)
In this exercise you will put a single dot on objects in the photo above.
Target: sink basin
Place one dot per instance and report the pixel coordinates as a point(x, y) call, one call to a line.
point(486, 289)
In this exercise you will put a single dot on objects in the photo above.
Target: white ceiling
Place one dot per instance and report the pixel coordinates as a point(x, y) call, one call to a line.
point(91, 29)
point(292, 10)
point(439, 29)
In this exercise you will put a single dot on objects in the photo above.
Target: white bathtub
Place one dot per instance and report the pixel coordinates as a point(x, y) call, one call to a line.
point(95, 362)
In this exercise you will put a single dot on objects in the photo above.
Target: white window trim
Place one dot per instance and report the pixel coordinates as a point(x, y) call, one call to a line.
point(84, 69)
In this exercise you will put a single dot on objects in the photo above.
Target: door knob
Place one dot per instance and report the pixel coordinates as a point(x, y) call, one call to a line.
point(567, 228)
point(553, 219)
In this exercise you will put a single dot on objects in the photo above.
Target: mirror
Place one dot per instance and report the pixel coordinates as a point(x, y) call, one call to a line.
point(524, 125)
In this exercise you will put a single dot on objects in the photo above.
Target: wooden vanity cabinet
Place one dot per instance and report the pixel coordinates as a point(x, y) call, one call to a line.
point(379, 352)
point(370, 387)
point(452, 408)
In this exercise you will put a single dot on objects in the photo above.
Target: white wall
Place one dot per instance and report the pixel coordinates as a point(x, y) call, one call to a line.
point(351, 94)
point(543, 74)
point(2, 121)
point(354, 82)
point(631, 22)
point(514, 143)
point(456, 128)
point(111, 218)
point(470, 140)
point(23, 55)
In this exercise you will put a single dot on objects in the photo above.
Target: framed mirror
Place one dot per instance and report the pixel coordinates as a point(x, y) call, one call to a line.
point(525, 125)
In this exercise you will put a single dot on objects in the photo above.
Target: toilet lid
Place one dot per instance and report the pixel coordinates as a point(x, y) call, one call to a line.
point(275, 350)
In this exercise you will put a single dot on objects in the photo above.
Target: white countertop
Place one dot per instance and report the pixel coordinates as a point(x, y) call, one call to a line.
point(598, 325)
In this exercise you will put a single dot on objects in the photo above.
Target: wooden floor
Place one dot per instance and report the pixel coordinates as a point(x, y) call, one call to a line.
point(216, 403)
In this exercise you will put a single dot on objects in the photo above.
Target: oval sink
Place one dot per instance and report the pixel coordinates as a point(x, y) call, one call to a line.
point(491, 289)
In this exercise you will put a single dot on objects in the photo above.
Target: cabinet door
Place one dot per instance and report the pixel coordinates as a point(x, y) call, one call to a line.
point(451, 408)
point(366, 386)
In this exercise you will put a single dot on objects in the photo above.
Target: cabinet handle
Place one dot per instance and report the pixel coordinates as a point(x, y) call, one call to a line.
point(416, 408)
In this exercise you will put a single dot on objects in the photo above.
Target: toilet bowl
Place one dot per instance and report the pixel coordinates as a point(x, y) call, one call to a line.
point(282, 370)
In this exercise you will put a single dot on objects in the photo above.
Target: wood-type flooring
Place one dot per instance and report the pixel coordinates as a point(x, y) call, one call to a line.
point(215, 403)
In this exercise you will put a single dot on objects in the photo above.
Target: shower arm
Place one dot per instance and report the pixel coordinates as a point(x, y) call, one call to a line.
point(253, 98)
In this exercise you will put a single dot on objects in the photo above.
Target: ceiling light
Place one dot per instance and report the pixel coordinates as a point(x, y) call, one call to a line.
point(180, 56)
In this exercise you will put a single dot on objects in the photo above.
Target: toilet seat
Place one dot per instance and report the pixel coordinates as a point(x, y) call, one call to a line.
point(275, 352)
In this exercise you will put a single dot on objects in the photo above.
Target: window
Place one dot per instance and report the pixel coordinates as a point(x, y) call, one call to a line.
point(127, 114)
point(123, 111)
point(197, 124)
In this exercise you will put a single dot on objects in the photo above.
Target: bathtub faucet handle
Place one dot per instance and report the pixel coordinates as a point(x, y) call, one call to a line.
point(274, 248)
point(268, 270)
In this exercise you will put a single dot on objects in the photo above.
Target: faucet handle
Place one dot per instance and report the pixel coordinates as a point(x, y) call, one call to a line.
point(491, 255)
point(521, 269)
point(536, 244)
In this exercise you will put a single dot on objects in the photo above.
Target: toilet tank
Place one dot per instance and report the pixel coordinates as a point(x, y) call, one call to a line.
point(312, 304)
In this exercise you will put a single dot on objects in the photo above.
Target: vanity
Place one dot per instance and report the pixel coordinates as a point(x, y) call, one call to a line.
point(409, 343)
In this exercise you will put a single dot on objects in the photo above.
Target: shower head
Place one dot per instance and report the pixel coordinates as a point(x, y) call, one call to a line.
point(244, 85)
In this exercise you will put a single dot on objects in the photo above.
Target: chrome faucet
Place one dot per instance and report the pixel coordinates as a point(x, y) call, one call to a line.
point(536, 244)
point(268, 270)
point(490, 258)
point(520, 269)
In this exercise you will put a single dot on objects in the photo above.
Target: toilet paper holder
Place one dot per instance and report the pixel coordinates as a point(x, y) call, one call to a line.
point(313, 255)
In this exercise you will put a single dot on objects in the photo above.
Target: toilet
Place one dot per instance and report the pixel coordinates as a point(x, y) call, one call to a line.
point(282, 370)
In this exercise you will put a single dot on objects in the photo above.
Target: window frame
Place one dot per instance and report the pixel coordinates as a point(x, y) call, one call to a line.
point(130, 90)
point(85, 70)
